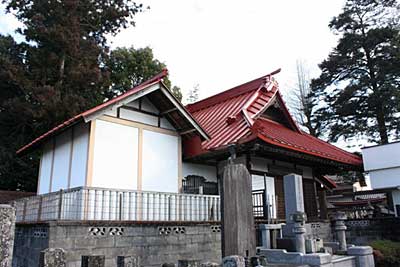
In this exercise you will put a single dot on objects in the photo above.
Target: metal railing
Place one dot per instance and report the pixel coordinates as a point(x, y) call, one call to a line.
point(264, 205)
point(89, 203)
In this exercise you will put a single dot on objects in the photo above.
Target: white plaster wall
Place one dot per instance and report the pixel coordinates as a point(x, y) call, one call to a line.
point(115, 156)
point(380, 157)
point(385, 178)
point(79, 155)
point(138, 116)
point(61, 161)
point(160, 162)
point(206, 171)
point(45, 168)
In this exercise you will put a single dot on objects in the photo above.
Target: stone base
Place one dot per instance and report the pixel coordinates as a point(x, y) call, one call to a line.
point(152, 244)
point(356, 257)
point(286, 243)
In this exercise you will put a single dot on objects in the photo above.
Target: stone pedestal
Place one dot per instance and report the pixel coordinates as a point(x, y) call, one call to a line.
point(7, 232)
point(93, 261)
point(340, 229)
point(52, 257)
point(266, 230)
point(299, 219)
point(233, 261)
point(281, 256)
point(364, 255)
point(238, 232)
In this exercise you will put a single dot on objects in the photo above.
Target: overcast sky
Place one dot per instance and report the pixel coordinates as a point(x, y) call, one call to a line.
point(220, 44)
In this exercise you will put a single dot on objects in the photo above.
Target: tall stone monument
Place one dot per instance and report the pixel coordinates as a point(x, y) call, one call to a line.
point(238, 232)
point(294, 201)
point(294, 230)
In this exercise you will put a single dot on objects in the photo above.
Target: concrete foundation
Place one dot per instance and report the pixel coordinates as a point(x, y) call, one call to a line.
point(152, 244)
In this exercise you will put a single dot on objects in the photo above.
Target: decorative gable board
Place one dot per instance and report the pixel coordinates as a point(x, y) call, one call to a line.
point(143, 111)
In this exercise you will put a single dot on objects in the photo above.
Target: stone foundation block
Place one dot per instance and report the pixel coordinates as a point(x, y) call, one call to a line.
point(93, 261)
point(128, 261)
point(52, 257)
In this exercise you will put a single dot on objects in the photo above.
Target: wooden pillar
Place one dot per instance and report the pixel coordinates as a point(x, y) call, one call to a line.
point(322, 204)
point(237, 220)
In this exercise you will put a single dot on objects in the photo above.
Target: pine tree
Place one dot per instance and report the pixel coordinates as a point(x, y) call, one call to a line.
point(358, 90)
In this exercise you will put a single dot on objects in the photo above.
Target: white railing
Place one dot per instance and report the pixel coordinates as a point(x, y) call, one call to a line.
point(88, 203)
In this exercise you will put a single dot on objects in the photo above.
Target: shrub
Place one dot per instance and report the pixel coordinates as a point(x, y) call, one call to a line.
point(386, 253)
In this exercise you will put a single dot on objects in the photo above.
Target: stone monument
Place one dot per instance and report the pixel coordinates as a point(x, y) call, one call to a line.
point(238, 232)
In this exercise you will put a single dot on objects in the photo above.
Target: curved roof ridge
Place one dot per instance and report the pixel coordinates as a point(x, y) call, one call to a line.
point(230, 93)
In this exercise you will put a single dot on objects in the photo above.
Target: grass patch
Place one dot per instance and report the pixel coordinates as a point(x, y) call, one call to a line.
point(386, 253)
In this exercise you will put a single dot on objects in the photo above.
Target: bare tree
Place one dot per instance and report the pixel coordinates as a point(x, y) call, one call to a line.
point(301, 102)
point(193, 95)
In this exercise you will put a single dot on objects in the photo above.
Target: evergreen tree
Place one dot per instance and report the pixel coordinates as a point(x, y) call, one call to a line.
point(358, 90)
point(58, 73)
point(129, 67)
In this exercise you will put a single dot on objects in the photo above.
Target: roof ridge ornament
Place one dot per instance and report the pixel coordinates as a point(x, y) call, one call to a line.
point(269, 81)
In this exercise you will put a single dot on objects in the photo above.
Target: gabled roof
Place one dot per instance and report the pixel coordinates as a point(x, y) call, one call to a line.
point(148, 87)
point(236, 116)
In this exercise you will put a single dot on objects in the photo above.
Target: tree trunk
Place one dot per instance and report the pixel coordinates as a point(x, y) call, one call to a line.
point(380, 117)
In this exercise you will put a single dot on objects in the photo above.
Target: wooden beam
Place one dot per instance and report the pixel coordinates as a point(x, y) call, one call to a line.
point(187, 131)
point(71, 151)
point(138, 125)
point(89, 171)
point(140, 159)
point(52, 163)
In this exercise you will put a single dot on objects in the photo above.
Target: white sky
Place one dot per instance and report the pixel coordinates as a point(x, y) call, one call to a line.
point(220, 44)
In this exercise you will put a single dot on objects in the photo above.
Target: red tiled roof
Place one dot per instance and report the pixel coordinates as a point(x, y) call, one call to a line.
point(154, 80)
point(328, 181)
point(279, 135)
point(233, 116)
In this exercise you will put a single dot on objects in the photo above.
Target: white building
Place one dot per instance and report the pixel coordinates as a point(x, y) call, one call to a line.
point(382, 163)
point(131, 157)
